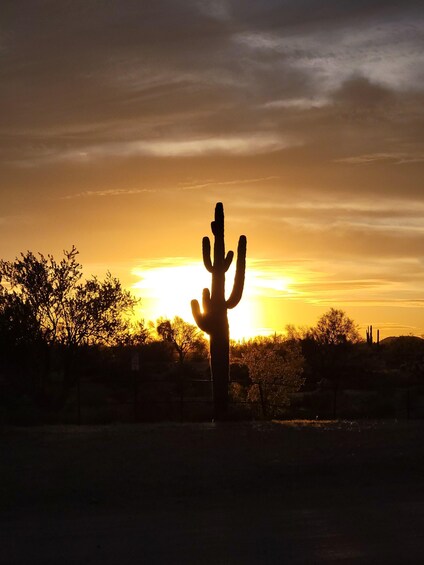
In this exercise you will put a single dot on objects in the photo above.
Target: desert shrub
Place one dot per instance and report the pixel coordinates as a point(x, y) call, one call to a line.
point(275, 369)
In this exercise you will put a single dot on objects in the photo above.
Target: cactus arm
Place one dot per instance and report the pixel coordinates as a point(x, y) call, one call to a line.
point(237, 291)
point(195, 310)
point(206, 251)
point(206, 300)
point(201, 319)
point(228, 260)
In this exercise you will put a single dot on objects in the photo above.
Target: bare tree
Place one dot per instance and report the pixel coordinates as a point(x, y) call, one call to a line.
point(185, 338)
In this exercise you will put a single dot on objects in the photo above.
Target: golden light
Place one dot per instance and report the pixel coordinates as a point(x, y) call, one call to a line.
point(166, 288)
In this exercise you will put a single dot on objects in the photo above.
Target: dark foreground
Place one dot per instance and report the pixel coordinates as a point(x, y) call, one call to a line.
point(213, 494)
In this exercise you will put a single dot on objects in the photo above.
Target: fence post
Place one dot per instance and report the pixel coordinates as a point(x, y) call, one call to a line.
point(261, 394)
point(135, 369)
point(408, 404)
point(181, 396)
point(79, 398)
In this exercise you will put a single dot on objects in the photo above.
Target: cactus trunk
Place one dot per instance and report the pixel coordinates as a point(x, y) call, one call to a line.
point(214, 319)
point(220, 370)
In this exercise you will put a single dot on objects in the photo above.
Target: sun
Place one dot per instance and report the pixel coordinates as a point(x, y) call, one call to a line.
point(167, 287)
point(243, 320)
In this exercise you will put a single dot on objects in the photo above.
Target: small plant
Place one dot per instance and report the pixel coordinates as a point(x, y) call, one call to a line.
point(214, 319)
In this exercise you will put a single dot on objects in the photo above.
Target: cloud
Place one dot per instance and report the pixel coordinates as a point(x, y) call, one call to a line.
point(397, 158)
point(103, 193)
point(386, 52)
point(254, 143)
point(237, 145)
point(224, 78)
point(381, 283)
point(218, 9)
point(320, 210)
point(234, 182)
point(297, 103)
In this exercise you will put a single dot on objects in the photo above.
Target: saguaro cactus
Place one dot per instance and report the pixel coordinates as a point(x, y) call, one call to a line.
point(370, 339)
point(214, 319)
point(369, 335)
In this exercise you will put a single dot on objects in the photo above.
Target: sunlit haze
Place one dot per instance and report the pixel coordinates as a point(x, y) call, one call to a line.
point(123, 123)
point(167, 290)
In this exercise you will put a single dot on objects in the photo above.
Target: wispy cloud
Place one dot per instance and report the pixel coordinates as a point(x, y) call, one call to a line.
point(308, 202)
point(103, 193)
point(297, 103)
point(235, 145)
point(234, 182)
point(388, 54)
point(244, 144)
point(399, 158)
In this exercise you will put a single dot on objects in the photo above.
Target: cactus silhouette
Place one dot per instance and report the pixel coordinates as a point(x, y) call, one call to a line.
point(370, 339)
point(214, 320)
point(369, 335)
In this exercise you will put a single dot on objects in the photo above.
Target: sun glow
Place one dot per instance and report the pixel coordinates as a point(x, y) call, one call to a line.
point(166, 288)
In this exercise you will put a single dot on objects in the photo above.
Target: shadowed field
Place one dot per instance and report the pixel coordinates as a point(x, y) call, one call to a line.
point(312, 493)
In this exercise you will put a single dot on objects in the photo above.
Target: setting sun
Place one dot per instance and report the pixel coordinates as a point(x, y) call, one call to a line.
point(166, 288)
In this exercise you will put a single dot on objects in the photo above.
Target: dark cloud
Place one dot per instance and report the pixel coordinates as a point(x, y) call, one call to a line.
point(77, 73)
point(274, 13)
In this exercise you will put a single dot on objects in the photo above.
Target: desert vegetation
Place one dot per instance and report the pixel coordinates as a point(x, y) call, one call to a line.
point(71, 351)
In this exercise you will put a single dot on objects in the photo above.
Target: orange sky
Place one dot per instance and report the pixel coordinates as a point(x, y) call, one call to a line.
point(123, 123)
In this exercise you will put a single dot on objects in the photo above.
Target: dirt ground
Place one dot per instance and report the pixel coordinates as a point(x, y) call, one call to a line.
point(236, 493)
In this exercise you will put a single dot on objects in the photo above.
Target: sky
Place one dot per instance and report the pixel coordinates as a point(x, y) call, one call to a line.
point(124, 122)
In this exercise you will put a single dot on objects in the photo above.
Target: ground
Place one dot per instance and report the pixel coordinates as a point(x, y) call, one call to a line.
point(227, 493)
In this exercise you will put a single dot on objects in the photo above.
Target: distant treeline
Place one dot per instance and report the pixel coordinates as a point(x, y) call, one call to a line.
point(71, 352)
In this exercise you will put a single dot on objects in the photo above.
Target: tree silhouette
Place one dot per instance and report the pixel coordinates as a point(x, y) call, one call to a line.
point(185, 338)
point(335, 328)
point(335, 333)
point(214, 319)
point(66, 310)
point(275, 368)
point(49, 299)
